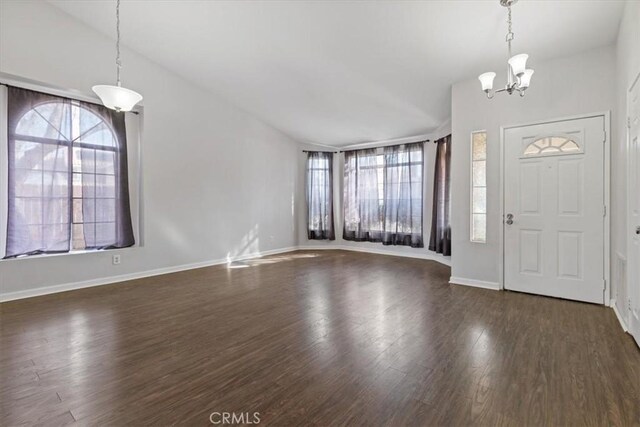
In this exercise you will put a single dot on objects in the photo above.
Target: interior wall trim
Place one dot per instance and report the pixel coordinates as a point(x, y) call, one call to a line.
point(419, 255)
point(46, 290)
point(474, 283)
point(623, 324)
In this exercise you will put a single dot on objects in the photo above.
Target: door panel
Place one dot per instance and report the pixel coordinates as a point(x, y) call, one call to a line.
point(570, 255)
point(570, 186)
point(531, 252)
point(554, 189)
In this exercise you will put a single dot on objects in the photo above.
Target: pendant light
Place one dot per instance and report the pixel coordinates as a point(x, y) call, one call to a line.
point(518, 76)
point(117, 97)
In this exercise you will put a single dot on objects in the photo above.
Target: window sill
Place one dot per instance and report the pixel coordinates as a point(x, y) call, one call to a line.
point(63, 254)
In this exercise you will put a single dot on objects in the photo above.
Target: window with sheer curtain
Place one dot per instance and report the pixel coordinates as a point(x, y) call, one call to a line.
point(67, 170)
point(319, 192)
point(383, 191)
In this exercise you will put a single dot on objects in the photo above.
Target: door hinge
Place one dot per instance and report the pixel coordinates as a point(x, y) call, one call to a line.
point(604, 285)
point(604, 210)
point(604, 136)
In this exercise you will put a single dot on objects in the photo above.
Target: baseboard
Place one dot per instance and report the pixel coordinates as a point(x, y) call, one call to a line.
point(474, 283)
point(46, 290)
point(431, 257)
point(612, 303)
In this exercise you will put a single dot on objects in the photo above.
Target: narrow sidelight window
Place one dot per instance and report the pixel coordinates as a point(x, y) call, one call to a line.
point(67, 170)
point(479, 186)
point(320, 196)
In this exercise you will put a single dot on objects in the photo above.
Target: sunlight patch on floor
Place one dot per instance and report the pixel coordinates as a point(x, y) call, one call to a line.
point(270, 260)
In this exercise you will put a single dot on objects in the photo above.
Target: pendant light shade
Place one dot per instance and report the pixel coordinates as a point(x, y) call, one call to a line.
point(525, 79)
point(116, 97)
point(486, 80)
point(518, 63)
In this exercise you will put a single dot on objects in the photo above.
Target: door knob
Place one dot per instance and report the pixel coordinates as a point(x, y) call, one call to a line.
point(638, 229)
point(509, 219)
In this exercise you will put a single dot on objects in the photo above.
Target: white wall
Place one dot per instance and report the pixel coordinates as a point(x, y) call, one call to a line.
point(628, 67)
point(583, 83)
point(217, 182)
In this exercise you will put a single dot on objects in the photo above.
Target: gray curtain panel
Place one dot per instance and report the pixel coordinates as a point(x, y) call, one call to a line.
point(402, 189)
point(362, 196)
point(319, 191)
point(67, 171)
point(105, 179)
point(39, 172)
point(440, 240)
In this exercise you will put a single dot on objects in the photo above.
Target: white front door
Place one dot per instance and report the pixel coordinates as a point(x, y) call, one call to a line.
point(634, 211)
point(554, 209)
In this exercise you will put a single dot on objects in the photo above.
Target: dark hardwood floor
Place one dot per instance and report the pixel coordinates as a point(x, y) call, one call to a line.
point(314, 338)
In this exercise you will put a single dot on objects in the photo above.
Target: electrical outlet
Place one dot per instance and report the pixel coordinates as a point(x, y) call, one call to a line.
point(116, 259)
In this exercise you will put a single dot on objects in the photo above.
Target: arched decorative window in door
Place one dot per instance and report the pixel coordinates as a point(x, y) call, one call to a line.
point(550, 145)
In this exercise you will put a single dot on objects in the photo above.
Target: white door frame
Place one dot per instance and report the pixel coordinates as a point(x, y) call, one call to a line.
point(628, 226)
point(607, 196)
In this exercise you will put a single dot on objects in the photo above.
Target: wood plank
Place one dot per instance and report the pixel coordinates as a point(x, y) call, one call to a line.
point(314, 337)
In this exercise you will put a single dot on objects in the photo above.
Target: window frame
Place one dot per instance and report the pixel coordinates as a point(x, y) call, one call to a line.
point(472, 187)
point(328, 171)
point(134, 127)
point(380, 167)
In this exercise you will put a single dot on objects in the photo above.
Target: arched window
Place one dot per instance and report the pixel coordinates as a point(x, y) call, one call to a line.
point(63, 167)
point(551, 145)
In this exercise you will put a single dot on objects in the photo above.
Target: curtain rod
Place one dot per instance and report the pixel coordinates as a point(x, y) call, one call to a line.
point(439, 139)
point(59, 96)
point(387, 145)
point(315, 151)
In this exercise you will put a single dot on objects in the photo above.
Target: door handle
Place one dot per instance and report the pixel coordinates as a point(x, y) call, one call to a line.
point(509, 219)
point(638, 229)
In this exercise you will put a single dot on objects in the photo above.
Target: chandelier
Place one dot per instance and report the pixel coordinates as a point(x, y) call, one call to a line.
point(117, 97)
point(518, 76)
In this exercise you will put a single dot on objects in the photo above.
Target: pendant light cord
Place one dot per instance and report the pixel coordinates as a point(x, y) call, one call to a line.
point(118, 61)
point(510, 34)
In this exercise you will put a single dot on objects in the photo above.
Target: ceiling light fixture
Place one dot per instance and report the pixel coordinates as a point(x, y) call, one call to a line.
point(518, 76)
point(117, 97)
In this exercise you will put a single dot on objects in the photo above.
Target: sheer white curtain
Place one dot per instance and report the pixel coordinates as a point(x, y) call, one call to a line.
point(39, 205)
point(319, 191)
point(403, 167)
point(362, 196)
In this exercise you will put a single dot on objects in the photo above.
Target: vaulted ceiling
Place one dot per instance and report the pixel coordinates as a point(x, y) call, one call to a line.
point(344, 72)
